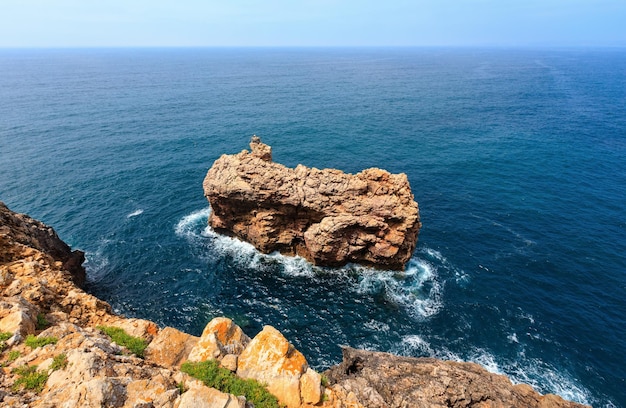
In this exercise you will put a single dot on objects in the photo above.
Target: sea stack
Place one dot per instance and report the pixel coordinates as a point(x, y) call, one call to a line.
point(329, 217)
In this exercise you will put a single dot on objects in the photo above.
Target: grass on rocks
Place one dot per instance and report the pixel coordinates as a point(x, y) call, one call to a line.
point(4, 336)
point(59, 362)
point(13, 355)
point(212, 375)
point(135, 345)
point(34, 342)
point(29, 378)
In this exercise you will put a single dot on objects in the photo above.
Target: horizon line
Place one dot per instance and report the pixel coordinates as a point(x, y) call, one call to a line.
point(462, 46)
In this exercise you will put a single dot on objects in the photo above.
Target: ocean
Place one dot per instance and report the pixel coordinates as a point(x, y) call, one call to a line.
point(516, 157)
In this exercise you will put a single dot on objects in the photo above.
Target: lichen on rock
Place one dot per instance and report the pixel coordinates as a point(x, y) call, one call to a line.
point(326, 216)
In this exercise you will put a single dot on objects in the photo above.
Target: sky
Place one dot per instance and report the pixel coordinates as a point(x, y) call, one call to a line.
point(156, 23)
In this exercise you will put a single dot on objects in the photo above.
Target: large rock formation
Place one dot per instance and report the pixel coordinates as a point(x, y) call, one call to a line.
point(327, 216)
point(381, 380)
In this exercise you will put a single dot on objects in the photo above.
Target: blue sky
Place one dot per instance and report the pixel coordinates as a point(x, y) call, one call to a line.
point(90, 23)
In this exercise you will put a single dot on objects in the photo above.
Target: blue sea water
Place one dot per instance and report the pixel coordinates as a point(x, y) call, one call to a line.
point(516, 157)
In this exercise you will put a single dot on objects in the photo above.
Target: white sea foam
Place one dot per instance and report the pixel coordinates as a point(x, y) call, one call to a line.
point(377, 326)
point(96, 263)
point(416, 289)
point(416, 345)
point(436, 257)
point(542, 376)
point(512, 338)
point(186, 227)
point(135, 213)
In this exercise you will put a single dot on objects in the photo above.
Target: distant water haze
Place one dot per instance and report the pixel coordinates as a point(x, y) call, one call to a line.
point(515, 157)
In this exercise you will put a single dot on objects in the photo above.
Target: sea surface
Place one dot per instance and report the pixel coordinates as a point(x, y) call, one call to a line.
point(516, 157)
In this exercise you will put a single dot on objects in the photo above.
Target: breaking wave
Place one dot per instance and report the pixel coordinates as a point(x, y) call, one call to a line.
point(135, 213)
point(417, 289)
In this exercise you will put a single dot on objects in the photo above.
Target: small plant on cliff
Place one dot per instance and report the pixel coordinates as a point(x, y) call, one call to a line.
point(34, 342)
point(42, 322)
point(325, 380)
point(29, 378)
point(135, 345)
point(212, 375)
point(13, 355)
point(4, 336)
point(59, 362)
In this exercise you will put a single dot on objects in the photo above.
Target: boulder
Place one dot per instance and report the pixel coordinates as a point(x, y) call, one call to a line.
point(272, 360)
point(205, 397)
point(310, 387)
point(170, 348)
point(327, 216)
point(220, 337)
point(17, 316)
point(136, 327)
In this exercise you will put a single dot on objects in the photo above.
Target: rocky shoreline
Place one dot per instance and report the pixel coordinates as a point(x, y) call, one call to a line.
point(55, 334)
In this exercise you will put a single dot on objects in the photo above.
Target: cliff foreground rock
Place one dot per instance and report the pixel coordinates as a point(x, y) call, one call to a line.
point(326, 216)
point(57, 350)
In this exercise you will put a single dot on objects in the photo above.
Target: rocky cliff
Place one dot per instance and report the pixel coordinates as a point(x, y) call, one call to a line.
point(326, 216)
point(381, 380)
point(58, 350)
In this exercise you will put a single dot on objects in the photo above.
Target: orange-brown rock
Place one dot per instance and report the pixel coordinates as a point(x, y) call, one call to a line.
point(170, 348)
point(29, 233)
point(220, 337)
point(327, 216)
point(271, 359)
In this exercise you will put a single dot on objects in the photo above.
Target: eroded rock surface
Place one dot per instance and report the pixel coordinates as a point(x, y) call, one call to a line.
point(21, 231)
point(327, 216)
point(381, 380)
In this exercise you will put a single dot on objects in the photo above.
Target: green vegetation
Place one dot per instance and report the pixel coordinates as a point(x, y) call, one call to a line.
point(325, 381)
point(29, 378)
point(59, 362)
point(211, 374)
point(135, 345)
point(181, 387)
point(13, 355)
point(42, 322)
point(34, 342)
point(4, 336)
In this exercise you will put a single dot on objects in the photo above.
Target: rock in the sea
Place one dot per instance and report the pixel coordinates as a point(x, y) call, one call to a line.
point(326, 216)
point(381, 380)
